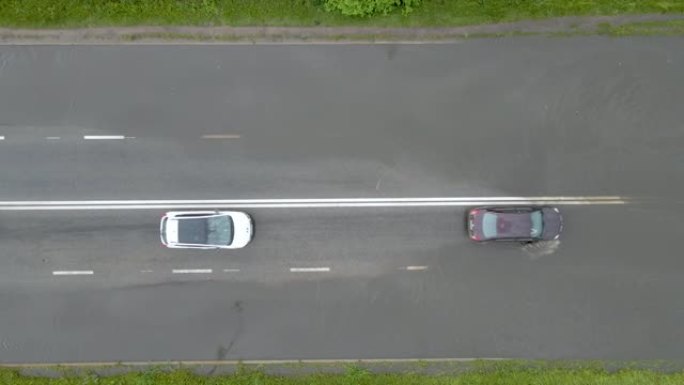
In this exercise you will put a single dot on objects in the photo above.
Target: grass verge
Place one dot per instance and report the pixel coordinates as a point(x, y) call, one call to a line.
point(502, 373)
point(303, 13)
point(655, 28)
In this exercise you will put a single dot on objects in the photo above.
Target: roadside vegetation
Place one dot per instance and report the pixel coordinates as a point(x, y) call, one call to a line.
point(309, 13)
point(490, 375)
point(659, 28)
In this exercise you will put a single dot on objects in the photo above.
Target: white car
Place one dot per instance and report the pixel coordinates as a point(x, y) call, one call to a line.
point(206, 229)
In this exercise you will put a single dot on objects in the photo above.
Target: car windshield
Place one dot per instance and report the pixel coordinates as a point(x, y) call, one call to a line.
point(163, 229)
point(489, 225)
point(220, 230)
point(537, 224)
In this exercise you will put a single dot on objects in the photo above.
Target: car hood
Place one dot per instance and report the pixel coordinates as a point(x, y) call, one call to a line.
point(171, 233)
point(243, 230)
point(553, 223)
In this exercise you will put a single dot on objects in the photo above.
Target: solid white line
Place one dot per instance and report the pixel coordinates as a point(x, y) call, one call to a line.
point(73, 272)
point(301, 205)
point(324, 200)
point(103, 137)
point(309, 269)
point(231, 270)
point(308, 203)
point(221, 136)
point(416, 268)
point(192, 271)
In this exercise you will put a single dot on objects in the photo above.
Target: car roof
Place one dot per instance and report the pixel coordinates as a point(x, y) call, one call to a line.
point(192, 230)
point(509, 224)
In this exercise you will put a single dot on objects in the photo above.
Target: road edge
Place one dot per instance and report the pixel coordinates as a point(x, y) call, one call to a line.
point(563, 26)
point(308, 366)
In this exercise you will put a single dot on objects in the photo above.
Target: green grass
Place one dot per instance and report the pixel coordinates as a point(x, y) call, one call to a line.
point(499, 374)
point(432, 13)
point(655, 28)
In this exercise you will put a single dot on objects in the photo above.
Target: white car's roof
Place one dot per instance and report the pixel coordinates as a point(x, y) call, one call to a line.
point(181, 227)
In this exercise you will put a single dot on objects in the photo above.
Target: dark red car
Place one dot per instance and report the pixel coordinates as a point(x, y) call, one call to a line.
point(520, 224)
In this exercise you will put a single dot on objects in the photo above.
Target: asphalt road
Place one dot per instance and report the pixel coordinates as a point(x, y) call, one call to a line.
point(504, 117)
point(584, 116)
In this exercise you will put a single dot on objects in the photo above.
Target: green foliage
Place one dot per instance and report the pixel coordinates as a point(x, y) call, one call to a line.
point(498, 374)
point(366, 8)
point(358, 375)
point(655, 28)
point(309, 13)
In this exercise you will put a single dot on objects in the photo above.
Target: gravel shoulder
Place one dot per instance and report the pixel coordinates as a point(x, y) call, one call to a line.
point(607, 25)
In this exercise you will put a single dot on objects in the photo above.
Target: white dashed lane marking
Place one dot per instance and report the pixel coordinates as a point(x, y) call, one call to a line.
point(416, 268)
point(73, 272)
point(312, 269)
point(122, 137)
point(192, 271)
point(309, 269)
point(103, 137)
point(221, 136)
